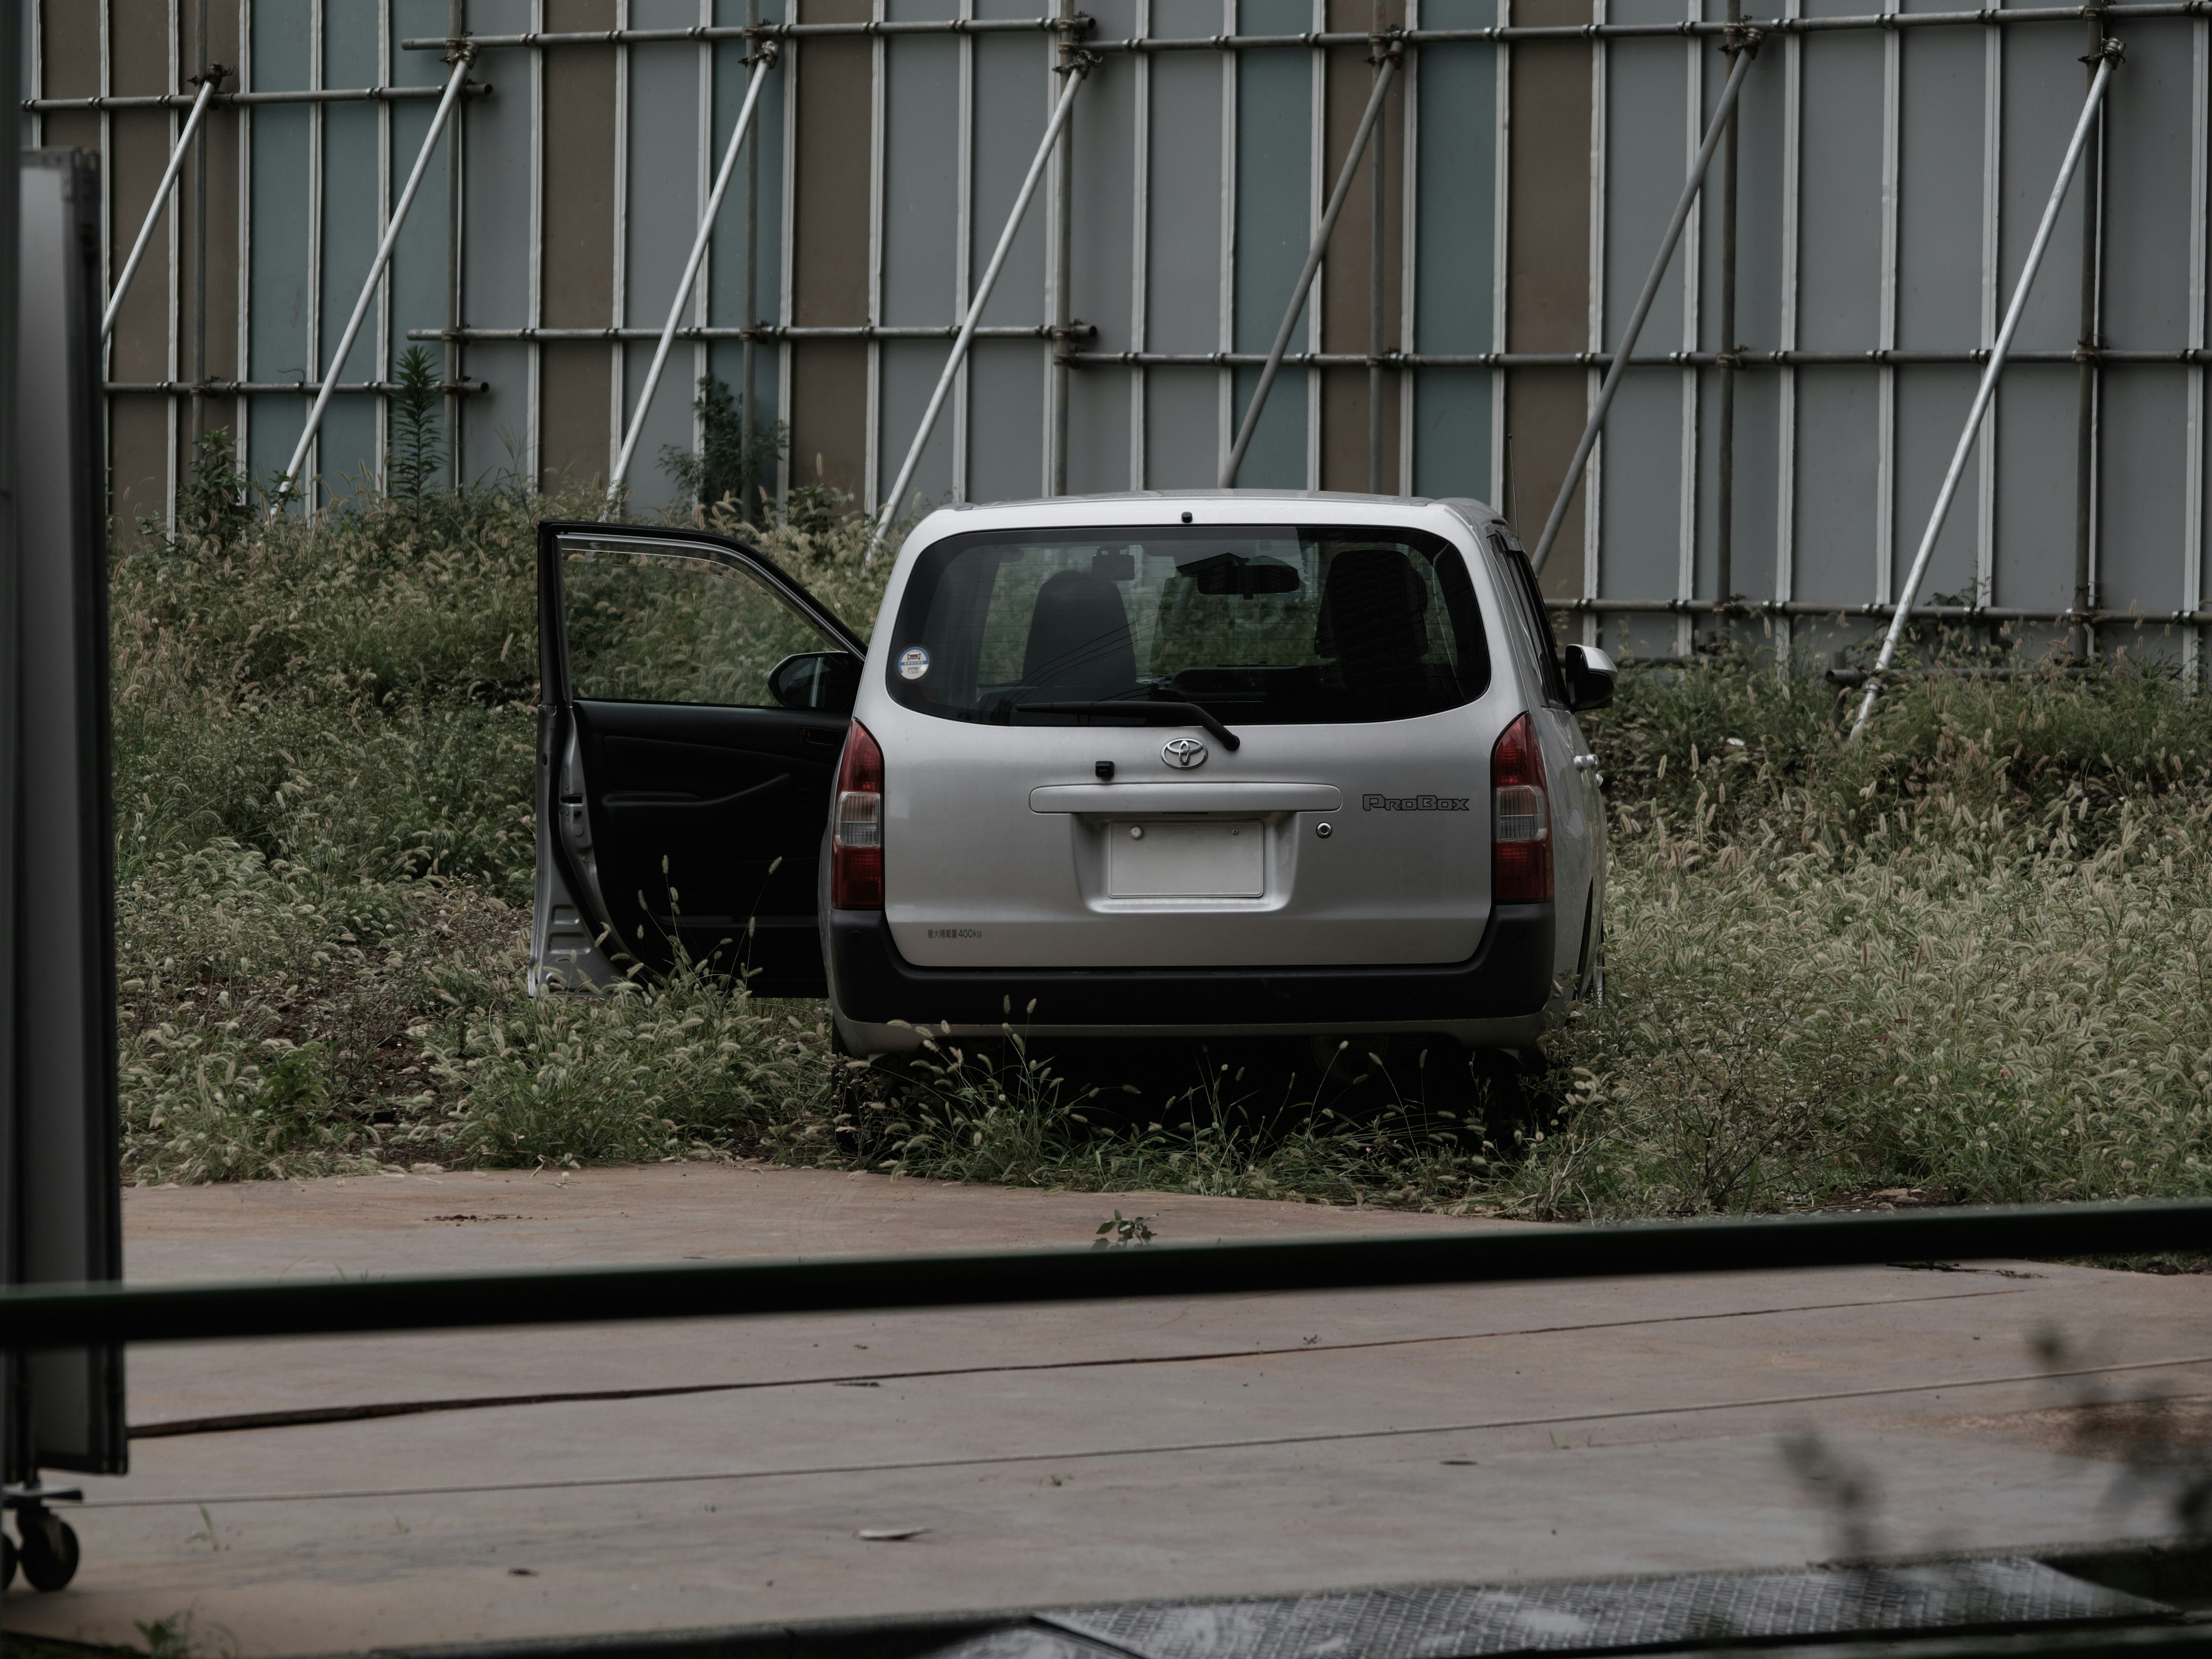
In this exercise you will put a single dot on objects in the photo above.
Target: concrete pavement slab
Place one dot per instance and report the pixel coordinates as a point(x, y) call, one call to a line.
point(1225, 1446)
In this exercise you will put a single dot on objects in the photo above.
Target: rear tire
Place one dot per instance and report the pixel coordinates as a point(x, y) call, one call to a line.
point(7, 1560)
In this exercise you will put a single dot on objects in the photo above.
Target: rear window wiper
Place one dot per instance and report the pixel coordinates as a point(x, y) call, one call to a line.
point(1149, 714)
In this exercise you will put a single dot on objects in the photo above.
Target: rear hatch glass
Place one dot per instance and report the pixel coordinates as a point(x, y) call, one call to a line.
point(1266, 625)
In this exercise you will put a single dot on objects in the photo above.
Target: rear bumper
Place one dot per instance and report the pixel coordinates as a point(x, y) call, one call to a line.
point(1497, 995)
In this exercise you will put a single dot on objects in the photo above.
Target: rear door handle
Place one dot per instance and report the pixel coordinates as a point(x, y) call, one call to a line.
point(1586, 762)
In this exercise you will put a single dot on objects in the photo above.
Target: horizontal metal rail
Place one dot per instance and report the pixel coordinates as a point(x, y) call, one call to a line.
point(759, 332)
point(72, 1316)
point(183, 100)
point(1988, 17)
point(2183, 355)
point(1968, 613)
point(232, 388)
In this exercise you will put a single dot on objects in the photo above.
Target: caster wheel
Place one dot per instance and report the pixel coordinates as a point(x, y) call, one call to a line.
point(49, 1550)
point(7, 1560)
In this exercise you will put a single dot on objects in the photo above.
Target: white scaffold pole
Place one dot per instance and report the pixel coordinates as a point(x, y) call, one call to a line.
point(1591, 428)
point(690, 276)
point(160, 201)
point(290, 476)
point(1988, 388)
point(1250, 423)
point(1077, 71)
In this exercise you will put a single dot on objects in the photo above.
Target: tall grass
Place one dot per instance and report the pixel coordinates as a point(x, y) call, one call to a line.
point(1965, 959)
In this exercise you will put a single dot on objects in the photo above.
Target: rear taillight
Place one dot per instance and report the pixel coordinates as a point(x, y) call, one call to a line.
point(856, 826)
point(1519, 819)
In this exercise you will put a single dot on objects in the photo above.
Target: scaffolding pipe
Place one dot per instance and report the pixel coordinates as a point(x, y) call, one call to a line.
point(154, 213)
point(1251, 422)
point(290, 478)
point(690, 277)
point(1077, 72)
point(2109, 56)
point(1620, 358)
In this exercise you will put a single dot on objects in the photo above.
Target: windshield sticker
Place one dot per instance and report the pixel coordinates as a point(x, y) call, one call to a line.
point(913, 663)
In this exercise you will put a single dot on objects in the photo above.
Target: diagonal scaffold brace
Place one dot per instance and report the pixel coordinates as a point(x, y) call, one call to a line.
point(208, 82)
point(288, 481)
point(1079, 67)
point(1742, 45)
point(2107, 60)
point(761, 64)
point(1388, 55)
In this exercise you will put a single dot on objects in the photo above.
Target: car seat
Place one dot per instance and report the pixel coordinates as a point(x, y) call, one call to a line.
point(1079, 648)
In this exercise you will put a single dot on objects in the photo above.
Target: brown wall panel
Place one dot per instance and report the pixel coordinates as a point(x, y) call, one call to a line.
point(138, 151)
point(1547, 276)
point(830, 257)
point(828, 414)
point(137, 461)
point(576, 416)
point(575, 381)
point(1347, 276)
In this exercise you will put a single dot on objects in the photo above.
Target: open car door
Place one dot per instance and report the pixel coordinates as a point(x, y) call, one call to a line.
point(694, 702)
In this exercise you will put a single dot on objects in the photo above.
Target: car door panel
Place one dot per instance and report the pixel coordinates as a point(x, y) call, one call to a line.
point(681, 818)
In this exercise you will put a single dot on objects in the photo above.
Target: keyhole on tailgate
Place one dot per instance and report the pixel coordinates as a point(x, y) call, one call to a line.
point(1136, 832)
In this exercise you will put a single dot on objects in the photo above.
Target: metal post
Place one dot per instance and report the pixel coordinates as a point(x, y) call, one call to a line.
point(1274, 364)
point(289, 478)
point(1077, 72)
point(208, 72)
point(2108, 57)
point(1724, 483)
point(2085, 403)
point(683, 285)
point(456, 227)
point(1643, 301)
point(154, 213)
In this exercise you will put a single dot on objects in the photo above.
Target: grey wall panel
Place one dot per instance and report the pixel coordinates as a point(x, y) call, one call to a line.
point(1641, 481)
point(756, 199)
point(2044, 86)
point(1014, 95)
point(908, 371)
point(281, 192)
point(921, 177)
point(1456, 192)
point(2147, 184)
point(1939, 258)
point(2035, 486)
point(348, 454)
point(1758, 482)
point(1183, 239)
point(1835, 484)
point(1006, 419)
point(1274, 226)
point(1103, 261)
point(2141, 437)
point(1182, 426)
point(1839, 254)
point(664, 194)
point(1931, 406)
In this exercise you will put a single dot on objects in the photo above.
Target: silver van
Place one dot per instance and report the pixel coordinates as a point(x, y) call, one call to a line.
point(1177, 763)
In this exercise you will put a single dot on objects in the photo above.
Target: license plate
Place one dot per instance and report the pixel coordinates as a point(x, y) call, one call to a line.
point(1186, 860)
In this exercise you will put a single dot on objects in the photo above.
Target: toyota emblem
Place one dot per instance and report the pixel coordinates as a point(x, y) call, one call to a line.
point(1183, 753)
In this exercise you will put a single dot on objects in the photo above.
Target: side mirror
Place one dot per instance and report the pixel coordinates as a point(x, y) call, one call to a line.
point(819, 682)
point(1589, 676)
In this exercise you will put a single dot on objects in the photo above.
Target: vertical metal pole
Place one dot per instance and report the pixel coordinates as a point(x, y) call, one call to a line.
point(1314, 253)
point(289, 480)
point(2107, 57)
point(1724, 482)
point(1375, 257)
point(2085, 398)
point(1596, 422)
point(1076, 73)
point(683, 283)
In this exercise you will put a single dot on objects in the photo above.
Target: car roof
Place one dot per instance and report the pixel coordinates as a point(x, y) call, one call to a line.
point(1143, 507)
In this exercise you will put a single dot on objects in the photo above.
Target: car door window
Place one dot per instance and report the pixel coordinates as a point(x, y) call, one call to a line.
point(1526, 607)
point(667, 626)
